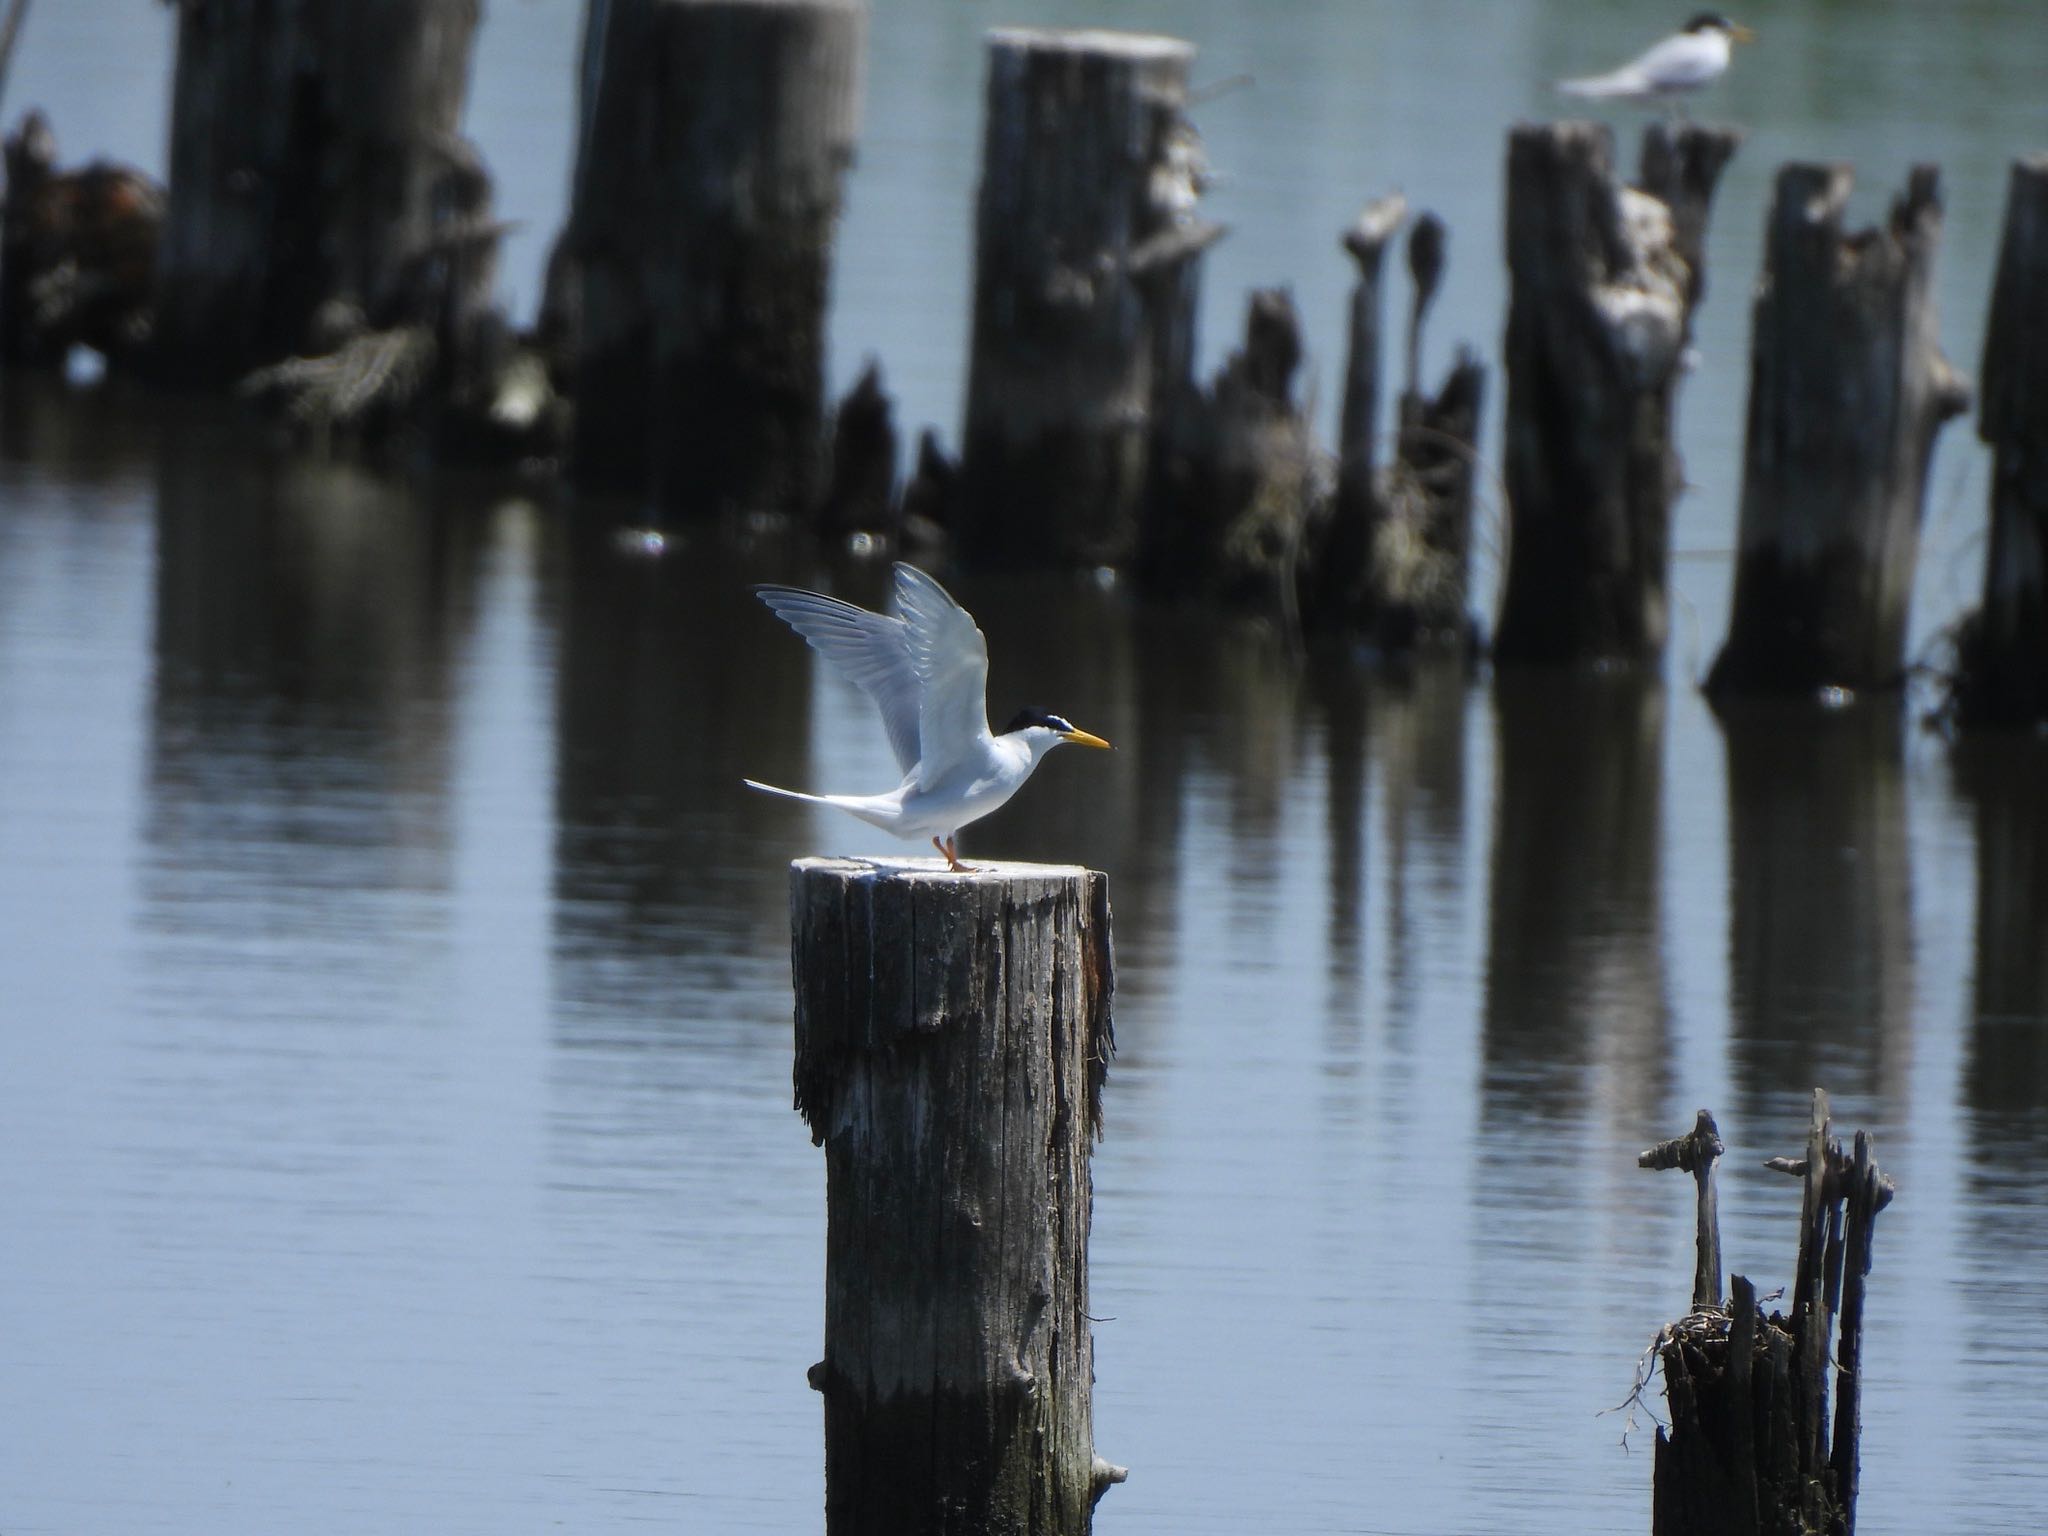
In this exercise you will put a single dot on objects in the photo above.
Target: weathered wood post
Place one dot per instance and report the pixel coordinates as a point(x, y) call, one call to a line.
point(952, 1034)
point(1847, 391)
point(700, 239)
point(1599, 316)
point(2003, 650)
point(1089, 176)
point(318, 180)
point(1749, 1452)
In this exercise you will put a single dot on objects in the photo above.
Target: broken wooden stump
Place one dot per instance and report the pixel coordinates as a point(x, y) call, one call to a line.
point(1599, 316)
point(952, 1035)
point(77, 254)
point(860, 490)
point(1089, 177)
point(1421, 556)
point(1749, 1451)
point(700, 241)
point(1234, 490)
point(1848, 390)
point(319, 185)
point(2002, 648)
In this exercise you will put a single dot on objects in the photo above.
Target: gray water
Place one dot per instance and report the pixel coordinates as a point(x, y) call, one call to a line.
point(395, 1125)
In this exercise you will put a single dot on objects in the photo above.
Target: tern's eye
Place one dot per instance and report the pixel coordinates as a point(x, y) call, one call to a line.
point(1062, 726)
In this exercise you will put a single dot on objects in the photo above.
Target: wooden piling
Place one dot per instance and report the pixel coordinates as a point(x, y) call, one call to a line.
point(1848, 390)
point(952, 1035)
point(1600, 312)
point(1089, 177)
point(2002, 650)
point(700, 239)
point(319, 185)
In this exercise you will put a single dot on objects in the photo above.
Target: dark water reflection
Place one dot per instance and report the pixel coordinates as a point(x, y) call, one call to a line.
point(396, 1124)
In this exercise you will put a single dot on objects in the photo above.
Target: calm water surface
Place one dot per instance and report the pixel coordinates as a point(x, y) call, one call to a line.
point(394, 1019)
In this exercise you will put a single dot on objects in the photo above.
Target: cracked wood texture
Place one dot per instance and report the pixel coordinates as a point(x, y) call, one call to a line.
point(1089, 173)
point(952, 1034)
point(2003, 650)
point(1603, 282)
point(1848, 389)
point(317, 174)
point(706, 199)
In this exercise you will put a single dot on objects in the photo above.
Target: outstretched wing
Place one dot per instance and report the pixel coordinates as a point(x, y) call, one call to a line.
point(950, 659)
point(871, 650)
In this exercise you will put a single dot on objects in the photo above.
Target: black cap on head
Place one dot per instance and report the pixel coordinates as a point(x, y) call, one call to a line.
point(1031, 715)
point(1709, 21)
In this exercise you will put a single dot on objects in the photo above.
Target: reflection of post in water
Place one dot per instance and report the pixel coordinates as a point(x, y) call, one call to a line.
point(673, 684)
point(1575, 970)
point(2006, 778)
point(306, 617)
point(1820, 903)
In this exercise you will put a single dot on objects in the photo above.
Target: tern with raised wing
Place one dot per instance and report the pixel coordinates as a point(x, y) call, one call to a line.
point(1692, 57)
point(925, 666)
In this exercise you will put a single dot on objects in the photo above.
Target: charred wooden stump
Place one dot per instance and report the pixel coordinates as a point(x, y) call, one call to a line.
point(2002, 651)
point(1848, 389)
point(700, 242)
point(77, 254)
point(1237, 483)
point(1600, 312)
point(952, 1034)
point(1749, 1451)
point(1089, 176)
point(860, 492)
point(319, 186)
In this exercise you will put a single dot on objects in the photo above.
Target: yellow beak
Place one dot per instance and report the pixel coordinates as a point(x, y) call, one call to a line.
point(1083, 739)
point(1738, 33)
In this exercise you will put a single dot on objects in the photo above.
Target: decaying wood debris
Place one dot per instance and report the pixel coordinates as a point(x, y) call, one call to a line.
point(1750, 1450)
point(952, 1036)
point(77, 255)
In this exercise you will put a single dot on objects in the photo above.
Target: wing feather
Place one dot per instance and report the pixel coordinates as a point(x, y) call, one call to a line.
point(950, 659)
point(873, 651)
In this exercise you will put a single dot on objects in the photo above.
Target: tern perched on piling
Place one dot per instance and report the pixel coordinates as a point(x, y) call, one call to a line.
point(1695, 56)
point(925, 666)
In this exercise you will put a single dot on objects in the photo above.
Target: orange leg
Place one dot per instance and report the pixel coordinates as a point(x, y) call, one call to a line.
point(950, 848)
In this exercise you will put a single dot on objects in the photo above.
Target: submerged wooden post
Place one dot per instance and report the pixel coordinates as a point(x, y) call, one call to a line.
point(319, 183)
point(1848, 389)
point(952, 1034)
point(1089, 177)
point(2003, 653)
point(1603, 284)
point(701, 234)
